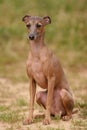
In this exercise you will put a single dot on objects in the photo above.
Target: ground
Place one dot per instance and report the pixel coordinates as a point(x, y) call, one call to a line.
point(14, 105)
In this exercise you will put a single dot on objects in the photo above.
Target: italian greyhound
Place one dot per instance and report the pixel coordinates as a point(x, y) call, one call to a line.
point(44, 69)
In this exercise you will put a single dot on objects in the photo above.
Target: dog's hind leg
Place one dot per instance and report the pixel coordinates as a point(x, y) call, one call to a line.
point(68, 103)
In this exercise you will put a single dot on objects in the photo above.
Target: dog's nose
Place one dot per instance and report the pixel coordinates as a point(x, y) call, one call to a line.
point(31, 37)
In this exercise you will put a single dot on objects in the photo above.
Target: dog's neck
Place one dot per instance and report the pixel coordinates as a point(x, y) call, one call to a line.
point(36, 46)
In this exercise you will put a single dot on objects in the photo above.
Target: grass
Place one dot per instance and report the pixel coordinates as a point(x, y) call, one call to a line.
point(21, 102)
point(10, 117)
point(50, 128)
point(3, 108)
point(79, 125)
point(83, 109)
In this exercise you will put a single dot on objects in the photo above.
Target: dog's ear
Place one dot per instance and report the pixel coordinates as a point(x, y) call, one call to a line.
point(47, 20)
point(26, 18)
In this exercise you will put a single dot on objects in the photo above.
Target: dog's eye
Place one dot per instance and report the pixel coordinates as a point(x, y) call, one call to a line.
point(28, 25)
point(38, 25)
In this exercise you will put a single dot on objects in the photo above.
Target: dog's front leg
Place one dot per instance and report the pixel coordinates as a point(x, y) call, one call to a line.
point(32, 91)
point(51, 83)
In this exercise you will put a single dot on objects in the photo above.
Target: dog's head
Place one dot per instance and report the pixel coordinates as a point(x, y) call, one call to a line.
point(35, 25)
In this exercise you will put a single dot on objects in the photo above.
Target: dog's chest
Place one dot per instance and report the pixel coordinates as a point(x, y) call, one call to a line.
point(37, 72)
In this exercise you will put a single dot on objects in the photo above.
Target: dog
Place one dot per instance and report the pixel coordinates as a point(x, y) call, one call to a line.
point(44, 69)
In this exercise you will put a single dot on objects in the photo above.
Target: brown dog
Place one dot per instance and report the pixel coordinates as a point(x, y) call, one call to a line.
point(44, 69)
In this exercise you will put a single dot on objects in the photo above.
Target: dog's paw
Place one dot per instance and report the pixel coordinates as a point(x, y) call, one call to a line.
point(27, 121)
point(46, 121)
point(66, 118)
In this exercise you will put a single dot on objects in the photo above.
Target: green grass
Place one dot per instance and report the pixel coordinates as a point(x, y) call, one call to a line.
point(3, 108)
point(10, 117)
point(83, 109)
point(79, 124)
point(21, 102)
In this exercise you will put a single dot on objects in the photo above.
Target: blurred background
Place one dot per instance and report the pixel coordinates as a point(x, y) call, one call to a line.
point(66, 35)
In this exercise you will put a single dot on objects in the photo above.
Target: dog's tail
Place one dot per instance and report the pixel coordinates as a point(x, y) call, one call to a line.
point(76, 110)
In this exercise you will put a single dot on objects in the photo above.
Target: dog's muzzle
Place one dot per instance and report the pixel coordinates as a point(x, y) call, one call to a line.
point(31, 37)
